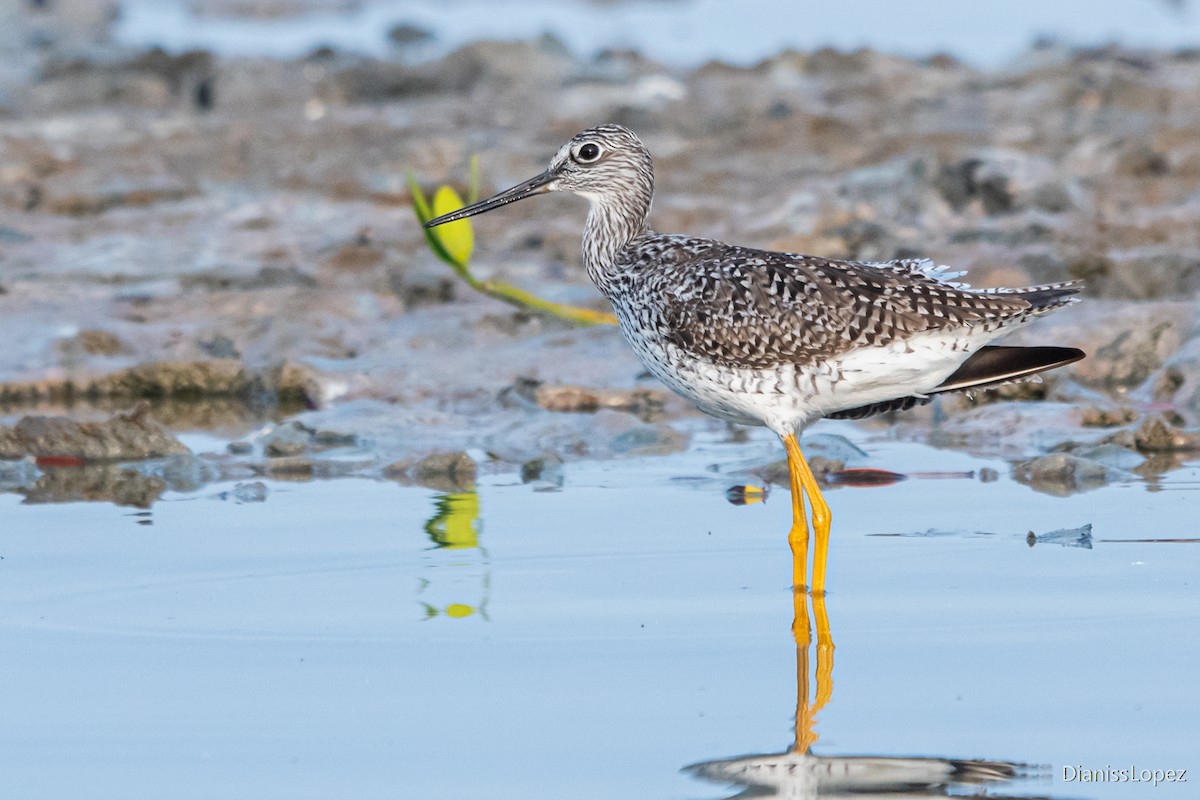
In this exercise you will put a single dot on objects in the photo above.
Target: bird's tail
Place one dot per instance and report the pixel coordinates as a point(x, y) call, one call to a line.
point(993, 365)
point(1046, 297)
point(989, 366)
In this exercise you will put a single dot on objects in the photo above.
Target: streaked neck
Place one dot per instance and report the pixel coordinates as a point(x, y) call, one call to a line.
point(611, 225)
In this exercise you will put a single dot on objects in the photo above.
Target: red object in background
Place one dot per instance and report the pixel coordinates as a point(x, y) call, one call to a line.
point(864, 476)
point(59, 461)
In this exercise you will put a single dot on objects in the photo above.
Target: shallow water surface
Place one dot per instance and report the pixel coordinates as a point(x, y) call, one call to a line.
point(360, 639)
point(676, 32)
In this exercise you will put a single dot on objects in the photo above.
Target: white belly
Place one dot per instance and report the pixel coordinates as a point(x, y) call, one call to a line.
point(787, 397)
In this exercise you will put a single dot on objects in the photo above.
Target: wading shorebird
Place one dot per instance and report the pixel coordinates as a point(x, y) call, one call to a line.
point(781, 339)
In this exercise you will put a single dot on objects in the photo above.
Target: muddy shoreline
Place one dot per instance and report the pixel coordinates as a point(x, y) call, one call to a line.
point(231, 240)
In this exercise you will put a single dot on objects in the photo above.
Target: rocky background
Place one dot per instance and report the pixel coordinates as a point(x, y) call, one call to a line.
point(192, 244)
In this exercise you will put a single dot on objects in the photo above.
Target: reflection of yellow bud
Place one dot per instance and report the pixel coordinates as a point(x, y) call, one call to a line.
point(458, 610)
point(745, 495)
point(453, 526)
point(456, 237)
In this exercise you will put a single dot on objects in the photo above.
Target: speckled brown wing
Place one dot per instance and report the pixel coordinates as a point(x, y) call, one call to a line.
point(753, 308)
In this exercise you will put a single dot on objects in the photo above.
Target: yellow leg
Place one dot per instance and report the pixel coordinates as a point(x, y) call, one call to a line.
point(798, 535)
point(803, 479)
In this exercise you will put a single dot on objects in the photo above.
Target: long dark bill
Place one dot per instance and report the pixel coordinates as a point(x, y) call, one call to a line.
point(535, 185)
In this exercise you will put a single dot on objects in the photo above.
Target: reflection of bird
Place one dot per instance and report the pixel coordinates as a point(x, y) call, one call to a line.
point(802, 775)
point(780, 339)
point(799, 774)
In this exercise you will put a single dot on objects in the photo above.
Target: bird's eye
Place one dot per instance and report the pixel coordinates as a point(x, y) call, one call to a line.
point(588, 153)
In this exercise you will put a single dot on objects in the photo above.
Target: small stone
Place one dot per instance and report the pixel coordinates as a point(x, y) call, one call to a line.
point(1156, 435)
point(546, 470)
point(447, 471)
point(187, 473)
point(1110, 455)
point(290, 468)
point(287, 440)
point(14, 474)
point(1134, 353)
point(970, 179)
point(1062, 474)
point(1096, 417)
point(405, 35)
point(329, 439)
point(250, 492)
point(99, 343)
point(1140, 161)
point(647, 440)
point(293, 381)
point(218, 345)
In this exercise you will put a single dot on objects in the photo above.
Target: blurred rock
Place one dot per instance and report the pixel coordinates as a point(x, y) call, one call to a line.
point(179, 380)
point(1061, 474)
point(71, 199)
point(646, 440)
point(270, 9)
point(186, 473)
point(1155, 434)
point(292, 381)
point(249, 492)
point(97, 343)
point(1178, 383)
point(447, 472)
point(124, 437)
point(65, 25)
point(1095, 417)
point(288, 468)
point(1109, 454)
point(154, 78)
point(291, 439)
point(547, 471)
point(405, 35)
point(601, 434)
point(327, 439)
point(122, 486)
point(1126, 343)
point(643, 402)
point(976, 179)
point(15, 474)
point(356, 80)
point(268, 277)
point(218, 345)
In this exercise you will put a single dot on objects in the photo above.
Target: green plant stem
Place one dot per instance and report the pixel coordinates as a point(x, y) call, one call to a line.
point(522, 299)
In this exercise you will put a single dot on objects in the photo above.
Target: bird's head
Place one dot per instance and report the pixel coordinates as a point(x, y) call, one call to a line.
point(607, 164)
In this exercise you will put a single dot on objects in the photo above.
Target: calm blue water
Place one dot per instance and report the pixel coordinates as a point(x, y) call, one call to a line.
point(587, 642)
point(687, 32)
